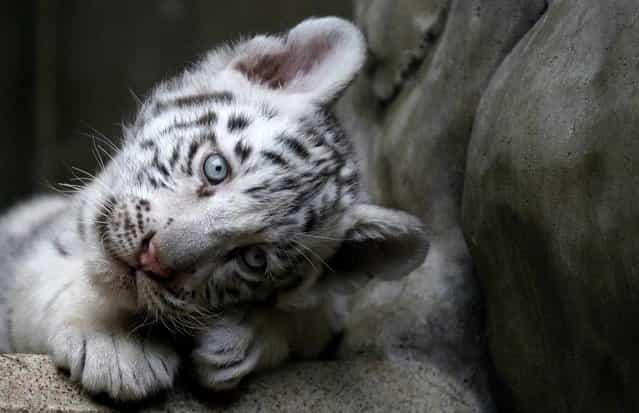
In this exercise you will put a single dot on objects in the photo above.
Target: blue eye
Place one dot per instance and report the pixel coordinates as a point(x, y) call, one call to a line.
point(254, 258)
point(216, 169)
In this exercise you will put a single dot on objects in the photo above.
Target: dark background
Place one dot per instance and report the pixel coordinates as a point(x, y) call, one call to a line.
point(71, 70)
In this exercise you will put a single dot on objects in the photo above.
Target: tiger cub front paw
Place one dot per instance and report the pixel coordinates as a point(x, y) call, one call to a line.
point(229, 350)
point(124, 367)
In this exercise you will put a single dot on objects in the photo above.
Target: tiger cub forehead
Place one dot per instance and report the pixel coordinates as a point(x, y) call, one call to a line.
point(225, 89)
point(289, 159)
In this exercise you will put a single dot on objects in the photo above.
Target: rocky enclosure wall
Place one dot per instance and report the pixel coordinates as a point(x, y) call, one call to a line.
point(522, 116)
point(412, 112)
point(551, 210)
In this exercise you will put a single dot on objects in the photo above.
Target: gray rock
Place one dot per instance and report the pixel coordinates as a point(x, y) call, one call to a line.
point(412, 113)
point(551, 210)
point(31, 383)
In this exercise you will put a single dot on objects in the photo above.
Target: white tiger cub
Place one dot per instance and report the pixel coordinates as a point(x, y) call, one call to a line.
point(231, 214)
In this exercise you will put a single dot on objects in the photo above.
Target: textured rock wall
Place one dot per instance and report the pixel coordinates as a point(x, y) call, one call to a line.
point(412, 114)
point(551, 210)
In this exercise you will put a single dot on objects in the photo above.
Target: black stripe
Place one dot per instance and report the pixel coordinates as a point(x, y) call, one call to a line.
point(211, 138)
point(256, 188)
point(84, 356)
point(295, 146)
point(195, 100)
point(193, 148)
point(60, 248)
point(175, 156)
point(268, 111)
point(237, 123)
point(208, 119)
point(153, 182)
point(287, 183)
point(243, 151)
point(275, 158)
point(311, 220)
point(163, 170)
point(147, 144)
point(258, 192)
point(157, 164)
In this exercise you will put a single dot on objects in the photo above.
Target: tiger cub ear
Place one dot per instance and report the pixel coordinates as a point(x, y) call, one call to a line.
point(379, 243)
point(317, 59)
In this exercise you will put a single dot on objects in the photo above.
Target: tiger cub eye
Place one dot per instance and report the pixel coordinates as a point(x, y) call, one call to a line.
point(254, 258)
point(215, 168)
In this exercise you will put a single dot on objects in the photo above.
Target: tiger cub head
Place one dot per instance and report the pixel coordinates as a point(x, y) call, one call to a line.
point(236, 184)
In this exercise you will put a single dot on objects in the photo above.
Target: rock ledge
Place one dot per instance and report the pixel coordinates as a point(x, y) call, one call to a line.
point(30, 383)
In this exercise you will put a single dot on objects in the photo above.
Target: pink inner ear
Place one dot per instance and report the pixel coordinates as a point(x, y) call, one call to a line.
point(278, 70)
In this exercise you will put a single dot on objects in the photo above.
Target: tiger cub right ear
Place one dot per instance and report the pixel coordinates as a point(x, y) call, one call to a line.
point(380, 243)
point(317, 59)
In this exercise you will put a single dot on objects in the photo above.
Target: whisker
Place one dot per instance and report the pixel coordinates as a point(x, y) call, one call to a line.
point(101, 136)
point(307, 235)
point(308, 259)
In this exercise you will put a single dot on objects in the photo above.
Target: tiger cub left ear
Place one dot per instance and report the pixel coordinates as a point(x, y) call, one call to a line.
point(317, 59)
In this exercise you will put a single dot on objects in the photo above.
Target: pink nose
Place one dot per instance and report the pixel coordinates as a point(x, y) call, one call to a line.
point(149, 260)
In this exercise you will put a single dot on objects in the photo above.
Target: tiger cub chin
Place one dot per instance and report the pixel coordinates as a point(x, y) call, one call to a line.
point(231, 214)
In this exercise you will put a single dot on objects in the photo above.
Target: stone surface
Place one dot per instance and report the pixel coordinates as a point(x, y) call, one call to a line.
point(412, 113)
point(30, 383)
point(551, 210)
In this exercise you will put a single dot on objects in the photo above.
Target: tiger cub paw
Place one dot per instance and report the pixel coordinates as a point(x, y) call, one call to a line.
point(124, 367)
point(229, 350)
